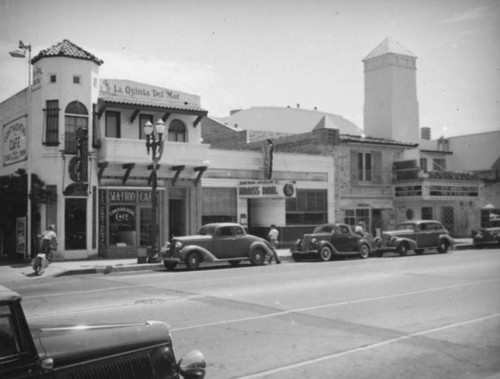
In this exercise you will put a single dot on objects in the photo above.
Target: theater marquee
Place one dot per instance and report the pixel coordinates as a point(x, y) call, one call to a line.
point(266, 189)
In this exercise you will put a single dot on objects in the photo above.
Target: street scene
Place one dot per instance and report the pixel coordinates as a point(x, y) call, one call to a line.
point(249, 189)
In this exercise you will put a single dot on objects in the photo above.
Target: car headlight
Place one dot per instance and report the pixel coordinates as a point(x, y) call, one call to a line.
point(314, 241)
point(178, 245)
point(298, 242)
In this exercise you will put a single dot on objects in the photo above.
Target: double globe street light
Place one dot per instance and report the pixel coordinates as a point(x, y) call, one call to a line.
point(154, 144)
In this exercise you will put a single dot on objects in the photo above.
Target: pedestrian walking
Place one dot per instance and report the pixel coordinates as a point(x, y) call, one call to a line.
point(273, 241)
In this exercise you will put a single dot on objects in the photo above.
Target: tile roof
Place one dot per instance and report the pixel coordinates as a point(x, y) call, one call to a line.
point(389, 46)
point(152, 103)
point(374, 141)
point(68, 49)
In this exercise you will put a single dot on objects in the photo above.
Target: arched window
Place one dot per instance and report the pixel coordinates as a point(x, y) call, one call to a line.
point(76, 116)
point(177, 131)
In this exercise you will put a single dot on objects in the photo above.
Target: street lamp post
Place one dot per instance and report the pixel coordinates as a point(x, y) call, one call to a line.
point(154, 143)
point(20, 52)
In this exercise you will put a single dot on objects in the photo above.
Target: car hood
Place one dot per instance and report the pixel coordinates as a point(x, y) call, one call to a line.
point(193, 238)
point(67, 345)
point(397, 233)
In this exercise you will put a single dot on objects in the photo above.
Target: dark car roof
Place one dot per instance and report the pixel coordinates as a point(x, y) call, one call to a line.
point(8, 295)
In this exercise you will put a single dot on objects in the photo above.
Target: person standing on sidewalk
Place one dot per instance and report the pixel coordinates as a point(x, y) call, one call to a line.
point(49, 242)
point(273, 240)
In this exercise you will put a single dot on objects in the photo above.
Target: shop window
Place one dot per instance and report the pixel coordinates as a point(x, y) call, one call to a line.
point(310, 207)
point(75, 218)
point(122, 221)
point(76, 117)
point(177, 131)
point(427, 213)
point(143, 118)
point(439, 164)
point(219, 205)
point(52, 123)
point(353, 217)
point(112, 125)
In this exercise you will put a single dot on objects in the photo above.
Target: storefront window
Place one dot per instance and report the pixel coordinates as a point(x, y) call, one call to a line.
point(310, 207)
point(353, 217)
point(427, 213)
point(122, 230)
point(75, 224)
point(76, 117)
point(219, 205)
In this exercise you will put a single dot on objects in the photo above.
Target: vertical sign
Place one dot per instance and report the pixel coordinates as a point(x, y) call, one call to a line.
point(21, 235)
point(15, 141)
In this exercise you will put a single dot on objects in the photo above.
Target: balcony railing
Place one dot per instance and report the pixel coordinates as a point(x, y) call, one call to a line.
point(123, 150)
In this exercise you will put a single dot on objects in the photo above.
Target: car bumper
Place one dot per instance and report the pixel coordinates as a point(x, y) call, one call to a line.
point(305, 253)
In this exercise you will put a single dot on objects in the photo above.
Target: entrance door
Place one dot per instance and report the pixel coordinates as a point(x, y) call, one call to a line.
point(448, 218)
point(177, 217)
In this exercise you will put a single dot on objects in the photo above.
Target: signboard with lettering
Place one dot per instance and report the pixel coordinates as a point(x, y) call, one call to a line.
point(265, 189)
point(134, 90)
point(15, 141)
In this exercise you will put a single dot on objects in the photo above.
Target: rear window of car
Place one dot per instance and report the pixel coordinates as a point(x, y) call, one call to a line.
point(406, 227)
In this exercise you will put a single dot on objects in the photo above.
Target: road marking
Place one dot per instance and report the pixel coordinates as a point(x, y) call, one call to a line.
point(316, 307)
point(367, 347)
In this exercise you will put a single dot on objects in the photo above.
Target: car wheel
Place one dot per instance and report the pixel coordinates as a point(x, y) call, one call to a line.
point(297, 257)
point(325, 254)
point(443, 247)
point(234, 263)
point(193, 261)
point(364, 251)
point(403, 249)
point(419, 251)
point(170, 266)
point(257, 257)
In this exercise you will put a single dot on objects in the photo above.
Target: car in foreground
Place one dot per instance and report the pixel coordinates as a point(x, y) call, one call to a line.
point(328, 241)
point(416, 235)
point(489, 236)
point(139, 350)
point(216, 242)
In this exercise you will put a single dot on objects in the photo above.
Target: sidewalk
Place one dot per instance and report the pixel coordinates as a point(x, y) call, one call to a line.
point(23, 271)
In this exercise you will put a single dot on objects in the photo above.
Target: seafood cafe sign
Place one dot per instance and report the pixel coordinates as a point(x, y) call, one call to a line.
point(14, 141)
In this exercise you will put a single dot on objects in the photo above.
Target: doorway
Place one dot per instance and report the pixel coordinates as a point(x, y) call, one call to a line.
point(177, 218)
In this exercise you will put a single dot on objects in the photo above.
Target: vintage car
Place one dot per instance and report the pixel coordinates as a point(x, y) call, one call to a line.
point(416, 235)
point(217, 242)
point(489, 236)
point(142, 350)
point(331, 240)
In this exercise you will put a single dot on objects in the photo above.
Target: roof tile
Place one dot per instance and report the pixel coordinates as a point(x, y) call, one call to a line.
point(68, 49)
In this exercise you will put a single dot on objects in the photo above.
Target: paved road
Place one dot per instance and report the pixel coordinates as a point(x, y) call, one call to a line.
point(430, 316)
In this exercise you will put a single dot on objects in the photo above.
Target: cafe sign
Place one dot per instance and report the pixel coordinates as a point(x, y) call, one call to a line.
point(14, 141)
point(265, 189)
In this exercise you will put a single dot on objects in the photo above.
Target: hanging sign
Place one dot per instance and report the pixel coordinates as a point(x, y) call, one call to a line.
point(265, 189)
point(15, 141)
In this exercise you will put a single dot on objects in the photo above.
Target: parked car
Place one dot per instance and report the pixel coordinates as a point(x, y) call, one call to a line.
point(416, 235)
point(489, 236)
point(331, 240)
point(217, 242)
point(142, 350)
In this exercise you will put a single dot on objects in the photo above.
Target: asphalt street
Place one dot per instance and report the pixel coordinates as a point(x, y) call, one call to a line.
point(429, 316)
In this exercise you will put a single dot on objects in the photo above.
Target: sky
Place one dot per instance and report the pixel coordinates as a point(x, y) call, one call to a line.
point(237, 54)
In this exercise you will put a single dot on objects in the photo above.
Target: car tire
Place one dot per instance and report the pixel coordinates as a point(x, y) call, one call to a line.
point(170, 266)
point(325, 254)
point(419, 251)
point(193, 261)
point(364, 251)
point(234, 263)
point(402, 249)
point(443, 247)
point(257, 256)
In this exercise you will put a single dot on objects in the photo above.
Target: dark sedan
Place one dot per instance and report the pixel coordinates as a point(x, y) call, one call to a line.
point(331, 240)
point(489, 236)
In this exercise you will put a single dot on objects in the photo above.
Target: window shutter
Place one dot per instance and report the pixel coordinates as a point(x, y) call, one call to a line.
point(354, 167)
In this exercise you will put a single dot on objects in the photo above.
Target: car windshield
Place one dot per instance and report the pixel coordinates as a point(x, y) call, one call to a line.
point(406, 227)
point(207, 231)
point(324, 229)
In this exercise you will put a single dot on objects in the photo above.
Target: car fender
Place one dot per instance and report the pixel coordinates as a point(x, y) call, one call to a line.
point(207, 256)
point(446, 237)
point(322, 244)
point(410, 242)
point(260, 244)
